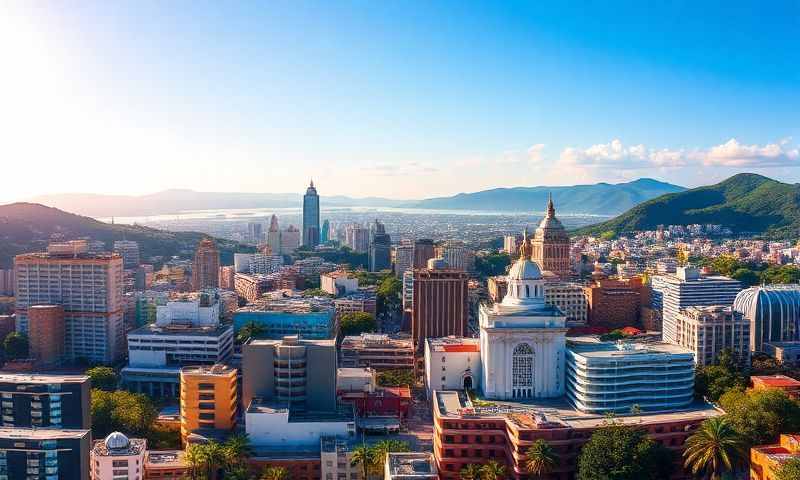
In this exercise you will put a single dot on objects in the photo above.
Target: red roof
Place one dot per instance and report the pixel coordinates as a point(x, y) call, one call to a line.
point(631, 331)
point(776, 381)
point(461, 348)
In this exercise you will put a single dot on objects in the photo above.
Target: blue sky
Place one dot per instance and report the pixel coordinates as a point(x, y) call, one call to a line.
point(397, 99)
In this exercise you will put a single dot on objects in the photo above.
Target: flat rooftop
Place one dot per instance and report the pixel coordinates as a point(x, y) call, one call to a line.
point(557, 412)
point(41, 378)
point(591, 346)
point(165, 459)
point(412, 464)
point(454, 344)
point(181, 330)
point(42, 433)
point(215, 370)
point(327, 342)
point(261, 406)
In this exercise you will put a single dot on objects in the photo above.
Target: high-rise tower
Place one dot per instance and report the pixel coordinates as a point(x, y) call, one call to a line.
point(311, 217)
point(380, 246)
point(205, 271)
point(274, 236)
point(551, 244)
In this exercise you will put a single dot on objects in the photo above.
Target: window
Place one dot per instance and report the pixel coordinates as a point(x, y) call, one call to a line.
point(522, 371)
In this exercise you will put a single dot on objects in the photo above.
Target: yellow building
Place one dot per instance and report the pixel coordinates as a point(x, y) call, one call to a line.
point(208, 399)
point(765, 460)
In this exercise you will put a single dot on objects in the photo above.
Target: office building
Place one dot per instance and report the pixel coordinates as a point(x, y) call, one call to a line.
point(551, 244)
point(88, 287)
point(423, 251)
point(511, 244)
point(51, 454)
point(45, 401)
point(227, 277)
point(118, 457)
point(608, 376)
point(403, 257)
point(7, 281)
point(773, 312)
point(766, 460)
point(787, 353)
point(380, 248)
point(255, 232)
point(363, 301)
point(325, 233)
point(357, 238)
point(311, 318)
point(296, 371)
point(129, 251)
point(47, 331)
point(336, 459)
point(274, 236)
point(190, 310)
point(205, 268)
point(278, 425)
point(452, 363)
point(570, 298)
point(456, 255)
point(311, 217)
point(707, 331)
point(440, 303)
point(377, 351)
point(613, 303)
point(290, 240)
point(209, 399)
point(338, 283)
point(165, 465)
point(688, 288)
point(256, 263)
point(410, 466)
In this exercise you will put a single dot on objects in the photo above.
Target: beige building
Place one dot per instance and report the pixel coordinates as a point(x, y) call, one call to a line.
point(570, 298)
point(209, 399)
point(551, 245)
point(336, 455)
point(707, 331)
point(410, 466)
point(118, 457)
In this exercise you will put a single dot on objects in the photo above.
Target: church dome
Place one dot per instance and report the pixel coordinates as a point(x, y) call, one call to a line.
point(117, 441)
point(524, 269)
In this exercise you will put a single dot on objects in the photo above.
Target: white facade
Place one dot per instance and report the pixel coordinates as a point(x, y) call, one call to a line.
point(707, 331)
point(452, 363)
point(271, 427)
point(522, 340)
point(338, 283)
point(336, 455)
point(403, 258)
point(195, 312)
point(152, 346)
point(256, 263)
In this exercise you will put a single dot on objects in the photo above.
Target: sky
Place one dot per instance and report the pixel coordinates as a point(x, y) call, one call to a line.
point(397, 99)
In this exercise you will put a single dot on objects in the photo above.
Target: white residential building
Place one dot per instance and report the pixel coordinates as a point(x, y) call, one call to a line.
point(272, 425)
point(193, 310)
point(452, 363)
point(707, 331)
point(338, 283)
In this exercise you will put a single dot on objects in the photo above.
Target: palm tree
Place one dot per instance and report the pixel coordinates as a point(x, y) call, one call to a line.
point(275, 473)
point(365, 456)
point(194, 460)
point(493, 471)
point(383, 448)
point(213, 456)
point(541, 458)
point(237, 450)
point(473, 471)
point(714, 448)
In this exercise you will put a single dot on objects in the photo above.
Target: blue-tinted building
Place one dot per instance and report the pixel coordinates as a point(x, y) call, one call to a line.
point(311, 318)
point(311, 217)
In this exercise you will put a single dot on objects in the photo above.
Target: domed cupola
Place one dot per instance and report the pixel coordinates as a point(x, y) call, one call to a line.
point(117, 441)
point(524, 279)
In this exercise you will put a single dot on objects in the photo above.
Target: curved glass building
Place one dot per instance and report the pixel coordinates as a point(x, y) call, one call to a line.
point(773, 312)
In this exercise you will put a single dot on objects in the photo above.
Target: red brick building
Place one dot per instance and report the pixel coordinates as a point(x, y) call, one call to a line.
point(614, 303)
point(441, 303)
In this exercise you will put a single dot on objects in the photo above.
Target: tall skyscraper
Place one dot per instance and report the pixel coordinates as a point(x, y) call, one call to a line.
point(311, 217)
point(274, 236)
point(205, 270)
point(255, 233)
point(290, 240)
point(440, 305)
point(325, 234)
point(89, 288)
point(357, 237)
point(456, 255)
point(380, 245)
point(423, 251)
point(129, 251)
point(551, 244)
point(403, 257)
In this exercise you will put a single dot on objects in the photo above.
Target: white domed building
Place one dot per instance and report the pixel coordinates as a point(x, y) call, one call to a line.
point(117, 457)
point(522, 338)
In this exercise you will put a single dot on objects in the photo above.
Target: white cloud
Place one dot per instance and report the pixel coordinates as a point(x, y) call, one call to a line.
point(393, 170)
point(734, 154)
point(535, 153)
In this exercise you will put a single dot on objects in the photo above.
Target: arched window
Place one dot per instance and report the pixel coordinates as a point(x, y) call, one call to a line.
point(522, 371)
point(527, 291)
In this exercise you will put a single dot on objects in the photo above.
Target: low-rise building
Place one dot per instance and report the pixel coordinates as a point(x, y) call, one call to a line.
point(165, 465)
point(410, 466)
point(780, 382)
point(34, 453)
point(766, 460)
point(613, 303)
point(788, 353)
point(338, 283)
point(358, 387)
point(336, 459)
point(363, 301)
point(311, 318)
point(276, 425)
point(452, 363)
point(117, 457)
point(378, 351)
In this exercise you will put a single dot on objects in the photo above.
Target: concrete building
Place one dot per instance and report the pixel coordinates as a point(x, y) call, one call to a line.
point(378, 351)
point(311, 318)
point(325, 233)
point(424, 250)
point(129, 251)
point(522, 338)
point(380, 248)
point(550, 244)
point(45, 401)
point(276, 425)
point(570, 298)
point(403, 257)
point(209, 399)
point(511, 244)
point(336, 459)
point(613, 304)
point(274, 236)
point(773, 312)
point(788, 353)
point(117, 457)
point(338, 283)
point(190, 310)
point(257, 263)
point(311, 217)
point(357, 237)
point(298, 372)
point(707, 331)
point(440, 303)
point(290, 240)
point(766, 460)
point(410, 466)
point(227, 277)
point(456, 255)
point(51, 454)
point(47, 331)
point(205, 268)
point(165, 465)
point(616, 377)
point(252, 286)
point(452, 363)
point(689, 288)
point(255, 232)
point(88, 287)
point(7, 281)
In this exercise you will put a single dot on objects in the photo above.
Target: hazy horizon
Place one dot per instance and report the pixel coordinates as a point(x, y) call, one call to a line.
point(393, 99)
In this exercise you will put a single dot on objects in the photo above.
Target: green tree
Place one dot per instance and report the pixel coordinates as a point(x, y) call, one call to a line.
point(746, 276)
point(790, 470)
point(103, 378)
point(16, 346)
point(492, 264)
point(541, 458)
point(471, 472)
point(250, 330)
point(275, 473)
point(712, 381)
point(364, 456)
point(492, 470)
point(726, 264)
point(714, 448)
point(396, 378)
point(622, 452)
point(382, 449)
point(315, 292)
point(760, 416)
point(194, 461)
point(388, 293)
point(236, 450)
point(123, 411)
point(356, 323)
point(781, 274)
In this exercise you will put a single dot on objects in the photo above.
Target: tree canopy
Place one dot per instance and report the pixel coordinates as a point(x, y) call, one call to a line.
point(761, 415)
point(16, 346)
point(103, 378)
point(123, 411)
point(492, 264)
point(622, 452)
point(356, 323)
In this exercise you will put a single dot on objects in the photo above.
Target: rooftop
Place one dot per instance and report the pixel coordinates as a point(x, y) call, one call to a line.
point(42, 379)
point(294, 305)
point(412, 464)
point(259, 405)
point(135, 446)
point(217, 370)
point(42, 433)
point(293, 340)
point(165, 459)
point(181, 330)
point(592, 347)
point(776, 381)
point(454, 344)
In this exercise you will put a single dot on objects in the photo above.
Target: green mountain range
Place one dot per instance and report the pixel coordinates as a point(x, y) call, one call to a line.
point(29, 227)
point(747, 203)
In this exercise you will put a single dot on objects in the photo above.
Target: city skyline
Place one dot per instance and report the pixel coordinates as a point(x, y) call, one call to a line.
point(394, 100)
